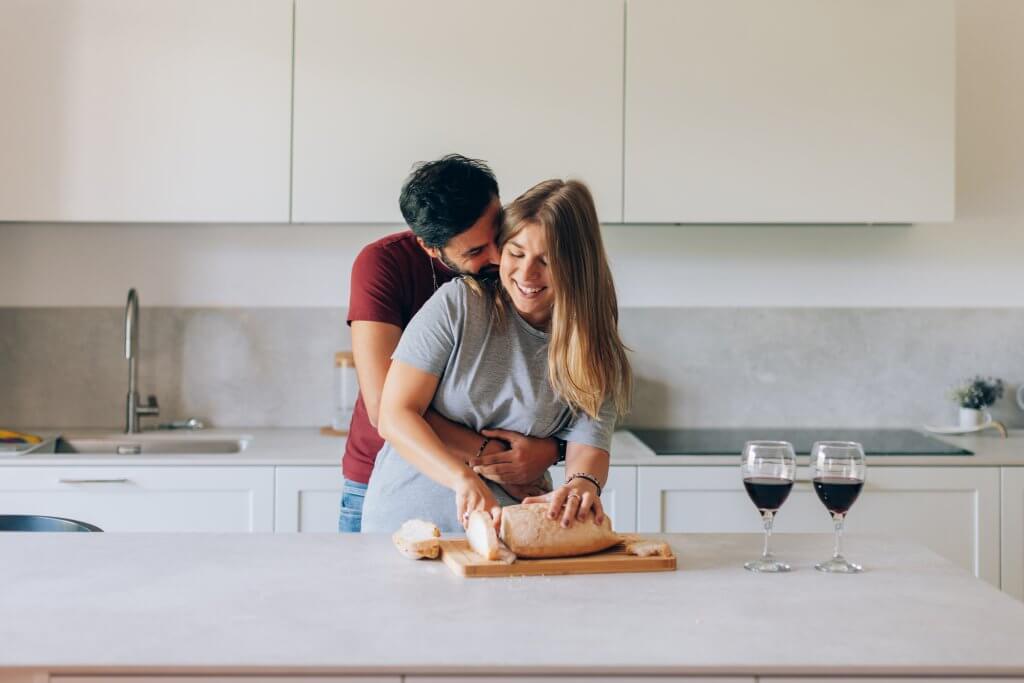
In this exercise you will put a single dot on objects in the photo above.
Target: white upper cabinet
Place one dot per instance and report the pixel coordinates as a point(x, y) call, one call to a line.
point(117, 110)
point(746, 111)
point(534, 87)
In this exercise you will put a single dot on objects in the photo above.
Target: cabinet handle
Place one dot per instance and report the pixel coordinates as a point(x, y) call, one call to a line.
point(93, 481)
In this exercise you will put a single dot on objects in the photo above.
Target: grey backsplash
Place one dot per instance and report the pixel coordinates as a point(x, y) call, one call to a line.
point(271, 367)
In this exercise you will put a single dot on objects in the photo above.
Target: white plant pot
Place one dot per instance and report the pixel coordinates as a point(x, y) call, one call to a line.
point(972, 417)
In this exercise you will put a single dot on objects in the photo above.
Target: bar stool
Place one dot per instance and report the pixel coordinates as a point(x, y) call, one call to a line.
point(43, 523)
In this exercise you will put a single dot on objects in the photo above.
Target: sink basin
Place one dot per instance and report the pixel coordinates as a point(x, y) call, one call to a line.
point(150, 444)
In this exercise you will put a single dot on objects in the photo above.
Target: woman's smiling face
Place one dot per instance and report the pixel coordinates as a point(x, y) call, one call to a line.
point(525, 275)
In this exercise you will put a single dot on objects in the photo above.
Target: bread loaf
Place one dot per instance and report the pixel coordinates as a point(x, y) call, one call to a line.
point(528, 532)
point(418, 540)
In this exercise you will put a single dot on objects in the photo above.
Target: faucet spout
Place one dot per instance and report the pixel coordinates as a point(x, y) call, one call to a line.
point(131, 337)
point(131, 353)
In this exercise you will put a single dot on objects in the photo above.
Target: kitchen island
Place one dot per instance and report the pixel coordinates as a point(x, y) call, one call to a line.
point(318, 604)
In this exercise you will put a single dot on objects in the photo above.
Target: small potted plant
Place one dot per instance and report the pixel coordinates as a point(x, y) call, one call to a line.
point(973, 396)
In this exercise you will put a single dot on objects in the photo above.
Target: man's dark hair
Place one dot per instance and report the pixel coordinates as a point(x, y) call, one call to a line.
point(443, 198)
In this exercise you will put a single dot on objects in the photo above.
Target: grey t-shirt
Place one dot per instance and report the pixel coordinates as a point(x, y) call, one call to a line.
point(492, 373)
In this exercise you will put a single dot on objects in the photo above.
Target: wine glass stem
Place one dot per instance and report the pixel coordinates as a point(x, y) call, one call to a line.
point(768, 518)
point(837, 520)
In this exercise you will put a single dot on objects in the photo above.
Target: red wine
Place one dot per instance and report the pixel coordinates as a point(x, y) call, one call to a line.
point(768, 493)
point(838, 493)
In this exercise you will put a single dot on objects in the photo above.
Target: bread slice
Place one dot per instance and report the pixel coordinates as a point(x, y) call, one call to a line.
point(417, 540)
point(528, 532)
point(482, 537)
point(642, 548)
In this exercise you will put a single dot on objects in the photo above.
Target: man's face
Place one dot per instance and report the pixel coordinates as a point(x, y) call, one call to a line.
point(474, 251)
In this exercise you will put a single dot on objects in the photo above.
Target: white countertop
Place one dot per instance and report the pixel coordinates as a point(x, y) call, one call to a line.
point(328, 603)
point(306, 446)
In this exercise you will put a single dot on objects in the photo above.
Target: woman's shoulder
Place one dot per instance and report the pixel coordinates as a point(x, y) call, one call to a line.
point(465, 294)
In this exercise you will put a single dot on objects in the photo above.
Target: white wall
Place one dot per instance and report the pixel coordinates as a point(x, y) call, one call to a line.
point(976, 261)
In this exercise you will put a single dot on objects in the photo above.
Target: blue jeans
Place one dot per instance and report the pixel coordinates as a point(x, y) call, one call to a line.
point(350, 519)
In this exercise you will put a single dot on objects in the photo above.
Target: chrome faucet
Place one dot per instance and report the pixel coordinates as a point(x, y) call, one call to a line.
point(131, 352)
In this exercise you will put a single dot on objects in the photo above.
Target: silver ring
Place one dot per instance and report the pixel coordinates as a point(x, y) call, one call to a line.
point(573, 494)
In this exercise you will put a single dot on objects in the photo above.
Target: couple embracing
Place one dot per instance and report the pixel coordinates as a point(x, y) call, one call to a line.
point(487, 347)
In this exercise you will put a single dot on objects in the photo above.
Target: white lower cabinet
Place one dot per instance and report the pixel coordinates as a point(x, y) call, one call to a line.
point(952, 510)
point(145, 498)
point(618, 496)
point(226, 679)
point(577, 679)
point(1013, 531)
point(307, 498)
point(241, 678)
point(879, 679)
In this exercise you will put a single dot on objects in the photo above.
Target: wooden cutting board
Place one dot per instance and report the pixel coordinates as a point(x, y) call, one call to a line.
point(464, 562)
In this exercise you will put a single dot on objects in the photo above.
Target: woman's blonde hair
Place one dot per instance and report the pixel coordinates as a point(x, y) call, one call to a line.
point(586, 357)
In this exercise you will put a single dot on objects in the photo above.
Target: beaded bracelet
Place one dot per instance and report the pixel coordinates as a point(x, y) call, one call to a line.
point(589, 477)
point(480, 452)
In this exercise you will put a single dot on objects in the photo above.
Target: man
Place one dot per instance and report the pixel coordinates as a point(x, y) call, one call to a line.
point(453, 210)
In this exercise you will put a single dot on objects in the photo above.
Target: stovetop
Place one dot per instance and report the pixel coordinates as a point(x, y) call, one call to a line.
point(730, 441)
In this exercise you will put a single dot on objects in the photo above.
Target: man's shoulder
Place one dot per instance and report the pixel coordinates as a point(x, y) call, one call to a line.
point(399, 244)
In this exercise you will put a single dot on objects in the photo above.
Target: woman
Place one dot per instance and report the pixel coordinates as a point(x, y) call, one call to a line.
point(537, 353)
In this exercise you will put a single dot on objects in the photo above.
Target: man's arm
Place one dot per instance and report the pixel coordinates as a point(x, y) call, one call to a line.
point(372, 346)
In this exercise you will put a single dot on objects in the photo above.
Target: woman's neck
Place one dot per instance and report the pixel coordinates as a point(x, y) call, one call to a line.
point(538, 321)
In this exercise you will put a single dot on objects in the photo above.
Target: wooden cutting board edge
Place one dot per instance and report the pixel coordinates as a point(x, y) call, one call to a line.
point(456, 554)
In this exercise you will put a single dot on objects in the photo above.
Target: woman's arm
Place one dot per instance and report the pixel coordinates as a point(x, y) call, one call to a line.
point(373, 343)
point(405, 398)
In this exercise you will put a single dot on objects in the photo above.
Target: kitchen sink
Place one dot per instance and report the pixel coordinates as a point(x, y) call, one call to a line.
point(151, 444)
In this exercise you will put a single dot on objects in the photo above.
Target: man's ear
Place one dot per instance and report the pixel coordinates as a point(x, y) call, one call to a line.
point(432, 252)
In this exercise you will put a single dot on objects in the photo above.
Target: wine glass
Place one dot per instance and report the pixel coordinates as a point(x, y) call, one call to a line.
point(768, 469)
point(837, 471)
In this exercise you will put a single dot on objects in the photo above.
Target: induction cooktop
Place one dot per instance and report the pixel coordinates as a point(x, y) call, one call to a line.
point(730, 441)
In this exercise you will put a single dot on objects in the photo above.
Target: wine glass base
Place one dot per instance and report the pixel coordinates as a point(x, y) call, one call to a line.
point(838, 565)
point(767, 566)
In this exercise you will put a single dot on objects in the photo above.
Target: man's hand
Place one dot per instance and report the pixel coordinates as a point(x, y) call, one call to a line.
point(531, 490)
point(525, 461)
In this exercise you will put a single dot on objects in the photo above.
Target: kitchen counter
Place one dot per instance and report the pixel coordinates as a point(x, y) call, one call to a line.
point(319, 603)
point(306, 446)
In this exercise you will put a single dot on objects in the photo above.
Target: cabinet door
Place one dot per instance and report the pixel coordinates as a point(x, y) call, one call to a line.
point(239, 678)
point(145, 498)
point(743, 111)
point(534, 87)
point(952, 510)
point(578, 679)
point(145, 111)
point(1013, 531)
point(307, 499)
point(618, 496)
point(879, 679)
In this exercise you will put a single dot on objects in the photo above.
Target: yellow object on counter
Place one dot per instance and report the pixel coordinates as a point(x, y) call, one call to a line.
point(10, 436)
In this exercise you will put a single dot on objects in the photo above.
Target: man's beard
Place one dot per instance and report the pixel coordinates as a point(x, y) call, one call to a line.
point(488, 273)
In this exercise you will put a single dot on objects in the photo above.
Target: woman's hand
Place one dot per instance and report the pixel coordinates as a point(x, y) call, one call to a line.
point(471, 493)
point(574, 501)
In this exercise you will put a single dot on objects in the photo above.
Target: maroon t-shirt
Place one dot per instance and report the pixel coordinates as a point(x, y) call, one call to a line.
point(391, 280)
